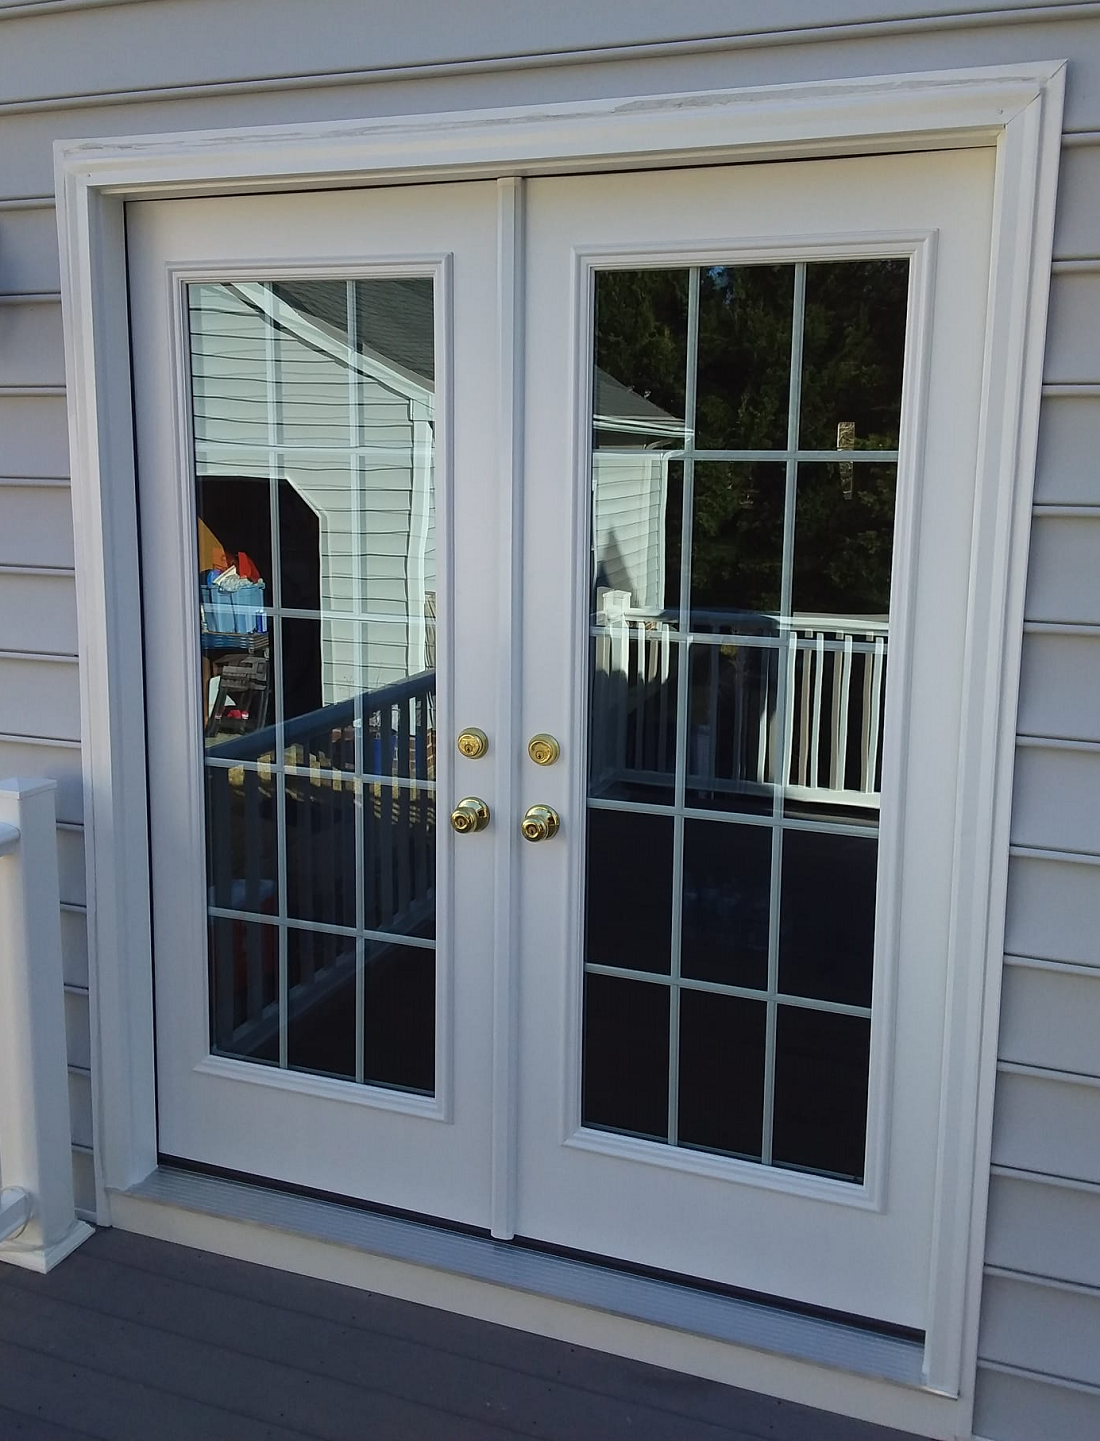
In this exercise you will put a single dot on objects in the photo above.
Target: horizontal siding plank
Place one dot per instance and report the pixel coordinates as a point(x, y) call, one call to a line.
point(1072, 328)
point(1077, 218)
point(74, 947)
point(32, 345)
point(1056, 799)
point(1053, 911)
point(1044, 1328)
point(77, 1030)
point(80, 1108)
point(1047, 1230)
point(33, 759)
point(430, 35)
point(1051, 1018)
point(1065, 551)
point(39, 698)
point(34, 439)
point(28, 251)
point(1046, 1125)
point(1066, 472)
point(36, 525)
point(1025, 1408)
point(39, 613)
point(1059, 683)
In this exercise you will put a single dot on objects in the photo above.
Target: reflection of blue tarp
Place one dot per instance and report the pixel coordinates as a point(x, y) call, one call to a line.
point(229, 614)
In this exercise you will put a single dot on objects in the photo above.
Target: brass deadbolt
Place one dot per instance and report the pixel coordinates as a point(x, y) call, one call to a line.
point(543, 750)
point(540, 823)
point(473, 743)
point(471, 814)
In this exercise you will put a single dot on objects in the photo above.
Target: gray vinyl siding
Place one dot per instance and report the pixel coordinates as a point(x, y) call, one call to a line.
point(198, 64)
point(1039, 1342)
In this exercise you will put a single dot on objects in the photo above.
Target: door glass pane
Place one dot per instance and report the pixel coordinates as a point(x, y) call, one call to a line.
point(743, 499)
point(313, 406)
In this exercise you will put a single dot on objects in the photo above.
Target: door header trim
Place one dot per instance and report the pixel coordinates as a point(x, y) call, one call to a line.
point(932, 110)
point(1016, 109)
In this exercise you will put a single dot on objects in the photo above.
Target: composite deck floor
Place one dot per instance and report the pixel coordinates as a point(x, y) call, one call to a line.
point(137, 1340)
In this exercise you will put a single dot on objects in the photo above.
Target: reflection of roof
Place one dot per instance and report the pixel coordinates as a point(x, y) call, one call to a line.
point(623, 410)
point(395, 323)
point(394, 316)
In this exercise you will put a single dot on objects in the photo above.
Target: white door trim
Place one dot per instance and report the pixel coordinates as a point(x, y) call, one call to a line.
point(1016, 108)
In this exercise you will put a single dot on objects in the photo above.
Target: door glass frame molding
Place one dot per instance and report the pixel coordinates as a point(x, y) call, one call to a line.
point(1016, 109)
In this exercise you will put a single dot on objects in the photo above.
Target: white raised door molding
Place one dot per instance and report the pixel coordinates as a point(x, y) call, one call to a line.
point(1016, 110)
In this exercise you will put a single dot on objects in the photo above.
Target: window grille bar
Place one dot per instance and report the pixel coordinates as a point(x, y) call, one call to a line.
point(271, 361)
point(682, 698)
point(783, 702)
point(359, 634)
point(722, 988)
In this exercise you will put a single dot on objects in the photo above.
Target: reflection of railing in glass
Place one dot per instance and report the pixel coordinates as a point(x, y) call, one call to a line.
point(326, 795)
point(836, 674)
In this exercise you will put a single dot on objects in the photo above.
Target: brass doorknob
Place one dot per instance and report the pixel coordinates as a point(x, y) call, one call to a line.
point(540, 823)
point(471, 814)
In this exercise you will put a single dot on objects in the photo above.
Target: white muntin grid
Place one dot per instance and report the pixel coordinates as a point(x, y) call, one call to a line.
point(788, 643)
point(275, 766)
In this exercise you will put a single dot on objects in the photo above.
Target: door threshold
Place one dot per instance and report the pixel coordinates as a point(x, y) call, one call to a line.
point(585, 1283)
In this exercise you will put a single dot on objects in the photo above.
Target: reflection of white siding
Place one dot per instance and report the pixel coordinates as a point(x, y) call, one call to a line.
point(628, 525)
point(357, 449)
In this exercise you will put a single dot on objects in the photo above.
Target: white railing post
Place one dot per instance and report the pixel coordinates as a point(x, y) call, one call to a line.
point(38, 1222)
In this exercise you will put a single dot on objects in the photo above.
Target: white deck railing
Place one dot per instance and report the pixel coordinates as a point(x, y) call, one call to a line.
point(38, 1222)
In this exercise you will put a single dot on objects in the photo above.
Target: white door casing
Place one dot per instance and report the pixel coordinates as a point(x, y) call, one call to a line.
point(1016, 107)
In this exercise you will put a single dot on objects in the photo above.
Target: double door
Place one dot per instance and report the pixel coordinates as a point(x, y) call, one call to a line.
point(553, 680)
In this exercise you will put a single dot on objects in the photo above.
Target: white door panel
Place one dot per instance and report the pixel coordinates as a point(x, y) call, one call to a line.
point(602, 1168)
point(296, 377)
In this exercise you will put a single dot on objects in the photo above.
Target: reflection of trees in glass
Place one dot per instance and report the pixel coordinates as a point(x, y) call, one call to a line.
point(744, 357)
point(853, 342)
point(737, 541)
point(852, 351)
point(641, 333)
point(843, 538)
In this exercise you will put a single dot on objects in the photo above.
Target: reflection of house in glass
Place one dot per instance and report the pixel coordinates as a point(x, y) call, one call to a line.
point(342, 434)
point(313, 406)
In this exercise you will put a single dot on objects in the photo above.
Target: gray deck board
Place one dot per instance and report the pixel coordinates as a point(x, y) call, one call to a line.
point(136, 1338)
point(20, 1427)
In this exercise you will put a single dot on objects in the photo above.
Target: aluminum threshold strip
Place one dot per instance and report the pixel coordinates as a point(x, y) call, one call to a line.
point(739, 1322)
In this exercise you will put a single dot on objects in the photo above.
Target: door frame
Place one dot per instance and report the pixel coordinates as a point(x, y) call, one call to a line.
point(1017, 109)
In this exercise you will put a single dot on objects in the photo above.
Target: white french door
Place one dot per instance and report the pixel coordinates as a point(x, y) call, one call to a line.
point(314, 401)
point(749, 403)
point(751, 430)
